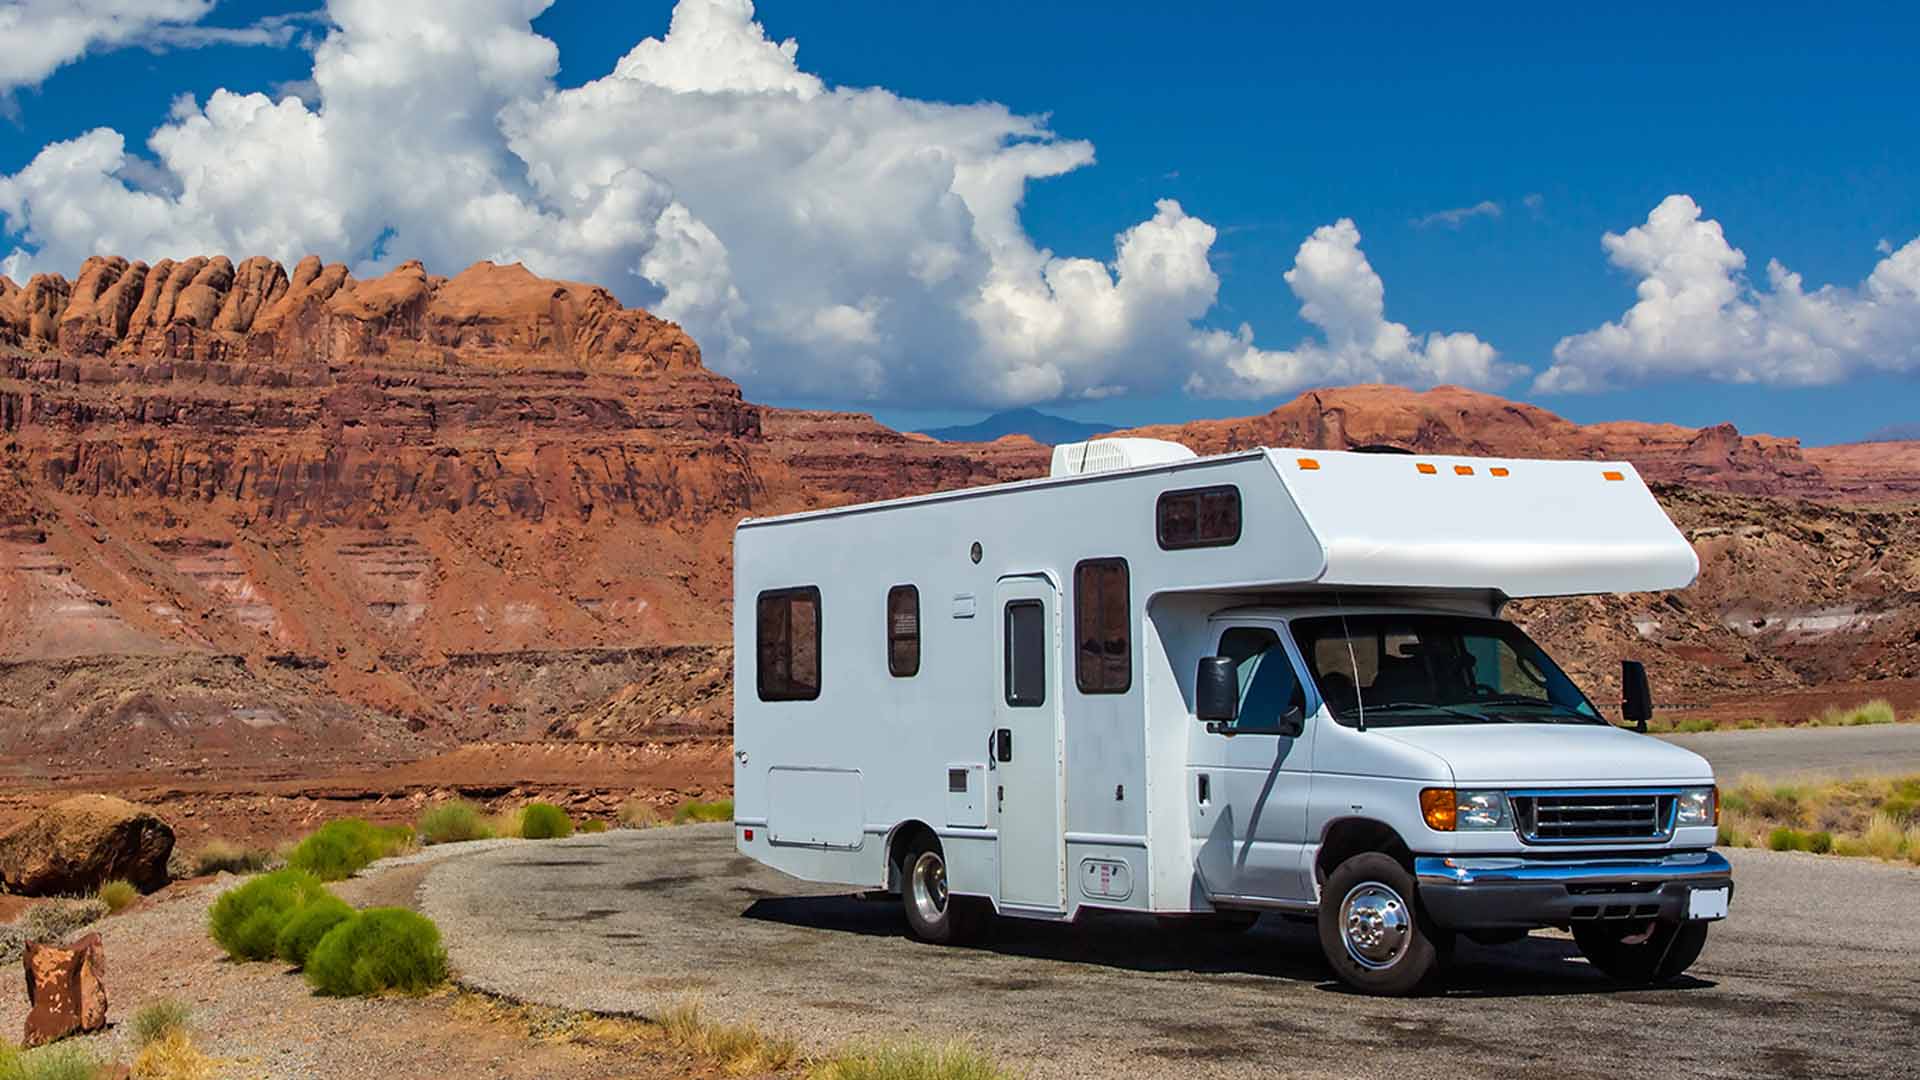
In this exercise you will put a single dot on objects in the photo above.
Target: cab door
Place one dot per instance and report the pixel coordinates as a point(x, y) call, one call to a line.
point(1248, 785)
point(1026, 746)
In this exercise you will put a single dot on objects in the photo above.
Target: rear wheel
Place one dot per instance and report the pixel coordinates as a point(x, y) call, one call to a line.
point(933, 914)
point(1373, 932)
point(1641, 953)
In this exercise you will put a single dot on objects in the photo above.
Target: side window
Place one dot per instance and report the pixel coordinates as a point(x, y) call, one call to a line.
point(1198, 517)
point(1102, 627)
point(903, 631)
point(1269, 686)
point(787, 644)
point(1026, 676)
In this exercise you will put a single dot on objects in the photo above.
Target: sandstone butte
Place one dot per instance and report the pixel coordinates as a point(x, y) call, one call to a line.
point(252, 514)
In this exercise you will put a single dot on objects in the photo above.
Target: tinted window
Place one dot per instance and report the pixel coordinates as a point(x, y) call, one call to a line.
point(1269, 686)
point(1102, 627)
point(1026, 653)
point(1198, 517)
point(787, 644)
point(903, 631)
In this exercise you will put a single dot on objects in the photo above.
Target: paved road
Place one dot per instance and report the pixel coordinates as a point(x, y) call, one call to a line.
point(1815, 975)
point(1881, 748)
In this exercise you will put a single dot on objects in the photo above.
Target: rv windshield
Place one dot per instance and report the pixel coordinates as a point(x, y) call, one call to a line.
point(1436, 669)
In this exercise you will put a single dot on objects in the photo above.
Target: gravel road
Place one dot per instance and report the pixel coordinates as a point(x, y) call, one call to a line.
point(1813, 976)
point(1881, 748)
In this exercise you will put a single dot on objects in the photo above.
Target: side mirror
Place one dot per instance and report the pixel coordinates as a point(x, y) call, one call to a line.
point(1216, 691)
point(1636, 703)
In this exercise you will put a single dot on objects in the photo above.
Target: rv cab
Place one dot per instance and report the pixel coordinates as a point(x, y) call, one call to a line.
point(1210, 688)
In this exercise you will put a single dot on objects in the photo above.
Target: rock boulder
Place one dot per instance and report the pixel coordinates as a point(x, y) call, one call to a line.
point(75, 845)
point(66, 990)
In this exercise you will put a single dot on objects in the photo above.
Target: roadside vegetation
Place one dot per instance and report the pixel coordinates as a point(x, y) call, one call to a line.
point(343, 847)
point(544, 821)
point(61, 1061)
point(452, 822)
point(165, 1049)
point(696, 811)
point(222, 857)
point(1877, 817)
point(117, 895)
point(1877, 711)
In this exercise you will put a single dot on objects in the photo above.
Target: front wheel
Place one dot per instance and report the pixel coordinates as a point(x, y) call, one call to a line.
point(1639, 953)
point(1373, 932)
point(933, 914)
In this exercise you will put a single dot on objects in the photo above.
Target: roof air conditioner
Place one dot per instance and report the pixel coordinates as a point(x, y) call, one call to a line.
point(1109, 455)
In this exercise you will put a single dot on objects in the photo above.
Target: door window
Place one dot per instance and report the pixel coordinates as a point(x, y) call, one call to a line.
point(1026, 674)
point(1269, 686)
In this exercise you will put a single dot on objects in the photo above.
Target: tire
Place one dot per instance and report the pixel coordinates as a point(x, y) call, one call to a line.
point(1373, 932)
point(1637, 954)
point(933, 915)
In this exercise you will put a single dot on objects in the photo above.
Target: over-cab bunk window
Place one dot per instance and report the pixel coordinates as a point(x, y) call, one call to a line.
point(1102, 627)
point(903, 631)
point(787, 644)
point(1198, 517)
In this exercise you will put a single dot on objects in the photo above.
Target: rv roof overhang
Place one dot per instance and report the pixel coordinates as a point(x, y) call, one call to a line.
point(1479, 530)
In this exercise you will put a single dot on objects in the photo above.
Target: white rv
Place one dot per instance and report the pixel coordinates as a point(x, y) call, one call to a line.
point(1206, 688)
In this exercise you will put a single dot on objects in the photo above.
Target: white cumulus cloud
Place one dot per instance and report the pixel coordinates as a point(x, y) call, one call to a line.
point(1455, 217)
point(38, 37)
point(1698, 315)
point(819, 241)
point(1341, 293)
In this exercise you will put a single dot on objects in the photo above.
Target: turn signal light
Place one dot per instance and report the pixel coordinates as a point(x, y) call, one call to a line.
point(1437, 806)
point(1426, 469)
point(1308, 463)
point(1463, 470)
point(1498, 470)
point(1613, 474)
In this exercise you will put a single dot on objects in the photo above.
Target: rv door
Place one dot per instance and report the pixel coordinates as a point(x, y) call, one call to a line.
point(1025, 744)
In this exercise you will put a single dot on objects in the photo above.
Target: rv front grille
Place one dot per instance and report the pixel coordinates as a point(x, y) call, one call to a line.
point(1592, 817)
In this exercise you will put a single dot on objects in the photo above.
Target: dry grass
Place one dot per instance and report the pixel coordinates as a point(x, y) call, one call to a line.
point(222, 857)
point(1877, 711)
point(909, 1061)
point(118, 896)
point(736, 1049)
point(698, 811)
point(159, 1019)
point(637, 813)
point(1860, 816)
point(173, 1056)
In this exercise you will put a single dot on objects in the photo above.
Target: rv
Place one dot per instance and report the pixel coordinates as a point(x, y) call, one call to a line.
point(1205, 688)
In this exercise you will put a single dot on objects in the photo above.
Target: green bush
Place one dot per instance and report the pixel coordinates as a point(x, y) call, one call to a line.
point(246, 921)
point(593, 825)
point(452, 822)
point(340, 849)
point(117, 895)
point(1902, 808)
point(156, 1021)
point(376, 950)
point(1788, 838)
point(1819, 843)
point(305, 927)
point(696, 811)
point(62, 1061)
point(545, 821)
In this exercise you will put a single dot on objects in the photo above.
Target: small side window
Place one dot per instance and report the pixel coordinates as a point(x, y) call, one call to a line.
point(1198, 517)
point(787, 644)
point(903, 631)
point(1026, 674)
point(1102, 627)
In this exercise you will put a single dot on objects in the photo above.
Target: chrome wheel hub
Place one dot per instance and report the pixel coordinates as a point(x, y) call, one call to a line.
point(1375, 925)
point(928, 886)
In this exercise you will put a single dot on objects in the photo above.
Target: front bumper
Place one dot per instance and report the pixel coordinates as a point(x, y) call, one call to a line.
point(1464, 892)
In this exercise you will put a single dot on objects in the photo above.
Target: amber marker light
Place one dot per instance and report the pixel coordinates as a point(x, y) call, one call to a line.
point(1463, 470)
point(1307, 463)
point(1426, 469)
point(1436, 805)
point(1611, 474)
point(1498, 470)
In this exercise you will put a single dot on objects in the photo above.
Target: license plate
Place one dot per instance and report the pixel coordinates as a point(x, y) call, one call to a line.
point(1708, 903)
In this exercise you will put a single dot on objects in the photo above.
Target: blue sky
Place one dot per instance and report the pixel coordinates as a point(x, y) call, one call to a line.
point(1799, 136)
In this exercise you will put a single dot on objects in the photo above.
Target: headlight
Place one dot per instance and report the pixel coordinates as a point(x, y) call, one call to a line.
point(1699, 806)
point(1447, 810)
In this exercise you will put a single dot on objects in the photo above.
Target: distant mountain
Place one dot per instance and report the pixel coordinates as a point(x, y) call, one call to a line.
point(1038, 426)
point(1894, 433)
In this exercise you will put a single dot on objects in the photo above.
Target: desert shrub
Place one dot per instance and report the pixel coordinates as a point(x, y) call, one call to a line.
point(376, 950)
point(154, 1020)
point(221, 857)
point(57, 920)
point(637, 813)
point(1877, 711)
point(246, 921)
point(1885, 837)
point(62, 1061)
point(173, 1056)
point(698, 811)
point(117, 895)
point(593, 825)
point(452, 822)
point(736, 1048)
point(1819, 843)
point(1902, 808)
point(342, 848)
point(305, 927)
point(1913, 844)
point(909, 1061)
point(1784, 838)
point(545, 821)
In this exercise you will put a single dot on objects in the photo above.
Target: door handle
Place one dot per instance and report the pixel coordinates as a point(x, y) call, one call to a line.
point(1206, 789)
point(1003, 745)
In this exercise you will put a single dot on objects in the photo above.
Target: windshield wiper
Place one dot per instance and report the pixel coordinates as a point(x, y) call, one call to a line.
point(1522, 699)
point(1425, 706)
